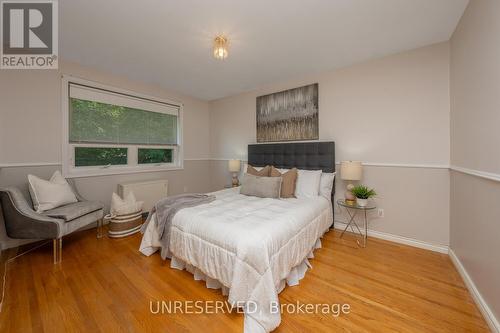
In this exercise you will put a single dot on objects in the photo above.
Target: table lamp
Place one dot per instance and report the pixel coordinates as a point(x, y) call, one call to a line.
point(350, 171)
point(234, 167)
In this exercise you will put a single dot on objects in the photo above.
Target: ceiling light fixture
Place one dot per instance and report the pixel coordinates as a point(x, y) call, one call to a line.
point(220, 47)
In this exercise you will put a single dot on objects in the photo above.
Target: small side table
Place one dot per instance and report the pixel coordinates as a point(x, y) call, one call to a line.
point(352, 211)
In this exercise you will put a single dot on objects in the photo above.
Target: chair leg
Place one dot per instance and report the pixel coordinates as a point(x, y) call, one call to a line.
point(57, 248)
point(100, 227)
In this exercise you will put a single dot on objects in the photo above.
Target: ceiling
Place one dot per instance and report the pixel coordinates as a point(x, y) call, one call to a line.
point(169, 43)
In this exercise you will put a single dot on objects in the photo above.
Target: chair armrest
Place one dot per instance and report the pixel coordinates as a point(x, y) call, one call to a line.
point(21, 221)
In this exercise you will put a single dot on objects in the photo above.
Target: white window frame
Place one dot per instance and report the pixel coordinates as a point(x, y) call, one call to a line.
point(68, 148)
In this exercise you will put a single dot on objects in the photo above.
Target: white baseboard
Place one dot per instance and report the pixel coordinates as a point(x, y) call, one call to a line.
point(400, 239)
point(488, 315)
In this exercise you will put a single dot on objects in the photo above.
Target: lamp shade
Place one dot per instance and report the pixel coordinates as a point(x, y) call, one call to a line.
point(234, 165)
point(351, 170)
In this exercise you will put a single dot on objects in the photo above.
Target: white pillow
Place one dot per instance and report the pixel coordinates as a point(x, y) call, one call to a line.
point(128, 206)
point(307, 183)
point(326, 184)
point(49, 194)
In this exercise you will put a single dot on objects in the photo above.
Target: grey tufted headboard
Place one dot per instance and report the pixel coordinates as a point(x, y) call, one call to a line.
point(301, 155)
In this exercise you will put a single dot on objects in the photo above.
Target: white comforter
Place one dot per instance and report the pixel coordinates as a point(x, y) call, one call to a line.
point(249, 244)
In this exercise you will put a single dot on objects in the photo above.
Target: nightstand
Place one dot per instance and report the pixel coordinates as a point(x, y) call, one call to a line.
point(352, 210)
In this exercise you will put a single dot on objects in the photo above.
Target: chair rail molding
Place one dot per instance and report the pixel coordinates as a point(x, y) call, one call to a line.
point(372, 164)
point(471, 172)
point(405, 165)
point(477, 173)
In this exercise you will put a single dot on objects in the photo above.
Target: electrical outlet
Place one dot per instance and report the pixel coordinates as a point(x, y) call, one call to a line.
point(185, 189)
point(380, 212)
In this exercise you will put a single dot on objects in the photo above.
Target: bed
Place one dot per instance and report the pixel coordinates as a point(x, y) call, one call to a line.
point(252, 247)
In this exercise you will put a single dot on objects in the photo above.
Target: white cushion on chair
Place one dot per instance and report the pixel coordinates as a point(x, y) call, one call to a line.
point(75, 210)
point(49, 194)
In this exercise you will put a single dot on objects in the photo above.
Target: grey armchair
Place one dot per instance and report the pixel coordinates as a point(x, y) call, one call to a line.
point(22, 222)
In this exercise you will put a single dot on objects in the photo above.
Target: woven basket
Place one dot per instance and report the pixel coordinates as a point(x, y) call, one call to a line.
point(124, 225)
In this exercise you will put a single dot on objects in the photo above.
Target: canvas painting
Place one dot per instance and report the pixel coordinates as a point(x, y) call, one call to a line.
point(289, 115)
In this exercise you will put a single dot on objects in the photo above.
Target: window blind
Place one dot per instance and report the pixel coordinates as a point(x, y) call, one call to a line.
point(100, 116)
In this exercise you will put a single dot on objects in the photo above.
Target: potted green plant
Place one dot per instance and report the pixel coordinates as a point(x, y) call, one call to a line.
point(362, 194)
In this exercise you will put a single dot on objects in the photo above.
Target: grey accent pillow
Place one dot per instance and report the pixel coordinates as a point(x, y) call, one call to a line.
point(262, 187)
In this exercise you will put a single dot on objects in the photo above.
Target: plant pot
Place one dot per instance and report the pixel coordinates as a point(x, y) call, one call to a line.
point(362, 202)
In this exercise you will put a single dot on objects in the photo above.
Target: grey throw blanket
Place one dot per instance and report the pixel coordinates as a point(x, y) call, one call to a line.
point(166, 209)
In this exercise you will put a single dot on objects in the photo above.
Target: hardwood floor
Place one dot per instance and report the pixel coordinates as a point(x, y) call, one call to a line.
point(106, 285)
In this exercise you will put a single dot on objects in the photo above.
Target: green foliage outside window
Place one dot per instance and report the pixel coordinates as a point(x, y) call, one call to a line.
point(95, 122)
point(93, 156)
point(154, 155)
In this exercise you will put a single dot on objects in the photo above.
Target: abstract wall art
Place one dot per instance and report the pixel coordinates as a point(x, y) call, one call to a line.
point(289, 115)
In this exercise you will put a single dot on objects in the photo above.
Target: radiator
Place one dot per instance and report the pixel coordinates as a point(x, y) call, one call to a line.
point(149, 191)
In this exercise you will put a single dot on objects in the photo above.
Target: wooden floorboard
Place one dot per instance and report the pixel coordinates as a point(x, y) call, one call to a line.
point(106, 285)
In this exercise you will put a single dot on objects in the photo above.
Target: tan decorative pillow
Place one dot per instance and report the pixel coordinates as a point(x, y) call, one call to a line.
point(288, 183)
point(264, 172)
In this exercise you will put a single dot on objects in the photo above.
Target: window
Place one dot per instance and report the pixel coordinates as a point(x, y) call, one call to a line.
point(93, 156)
point(152, 155)
point(110, 131)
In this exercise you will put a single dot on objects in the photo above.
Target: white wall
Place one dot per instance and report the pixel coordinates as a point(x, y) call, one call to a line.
point(393, 110)
point(30, 133)
point(475, 142)
point(390, 110)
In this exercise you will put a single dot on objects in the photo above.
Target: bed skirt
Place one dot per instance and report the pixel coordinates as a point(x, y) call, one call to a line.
point(293, 278)
point(296, 274)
